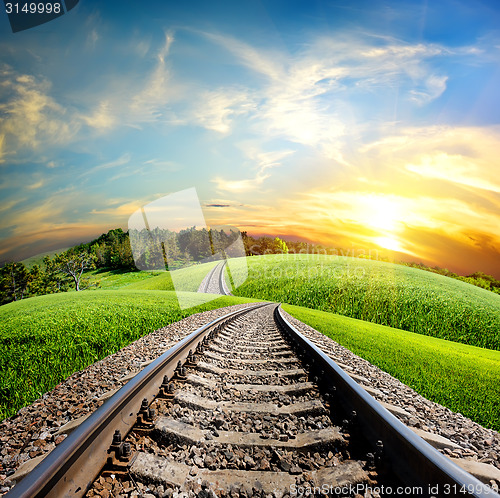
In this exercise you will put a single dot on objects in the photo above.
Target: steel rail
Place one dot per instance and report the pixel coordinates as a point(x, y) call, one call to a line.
point(411, 458)
point(73, 465)
point(222, 281)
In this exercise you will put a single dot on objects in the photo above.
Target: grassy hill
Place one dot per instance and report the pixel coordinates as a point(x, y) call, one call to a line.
point(186, 279)
point(379, 292)
point(119, 279)
point(386, 313)
point(465, 379)
point(43, 340)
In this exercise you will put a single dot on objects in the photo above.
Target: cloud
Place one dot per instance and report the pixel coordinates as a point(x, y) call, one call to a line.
point(453, 168)
point(30, 116)
point(53, 237)
point(216, 109)
point(458, 156)
point(264, 159)
point(54, 222)
point(146, 105)
point(433, 87)
point(102, 117)
point(238, 186)
point(148, 167)
point(8, 205)
point(262, 162)
point(166, 166)
point(129, 100)
point(266, 63)
point(309, 97)
point(2, 139)
point(120, 208)
point(92, 39)
point(36, 185)
point(39, 217)
point(141, 47)
point(120, 161)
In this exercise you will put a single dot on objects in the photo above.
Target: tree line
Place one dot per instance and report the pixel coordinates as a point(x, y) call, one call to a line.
point(162, 249)
point(478, 278)
point(155, 250)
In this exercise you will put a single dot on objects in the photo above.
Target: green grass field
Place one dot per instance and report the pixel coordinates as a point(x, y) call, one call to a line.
point(466, 379)
point(379, 292)
point(186, 279)
point(45, 339)
point(118, 279)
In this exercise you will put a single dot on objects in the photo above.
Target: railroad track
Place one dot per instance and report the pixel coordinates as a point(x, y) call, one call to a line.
point(244, 406)
point(215, 282)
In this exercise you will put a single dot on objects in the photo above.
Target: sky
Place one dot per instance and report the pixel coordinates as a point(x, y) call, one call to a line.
point(359, 124)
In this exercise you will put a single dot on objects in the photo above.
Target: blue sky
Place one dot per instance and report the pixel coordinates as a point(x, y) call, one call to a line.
point(360, 124)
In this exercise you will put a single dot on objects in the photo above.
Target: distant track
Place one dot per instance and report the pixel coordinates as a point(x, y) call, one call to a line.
point(215, 282)
point(244, 404)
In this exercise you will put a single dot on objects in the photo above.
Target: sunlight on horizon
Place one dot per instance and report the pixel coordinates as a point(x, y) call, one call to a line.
point(389, 243)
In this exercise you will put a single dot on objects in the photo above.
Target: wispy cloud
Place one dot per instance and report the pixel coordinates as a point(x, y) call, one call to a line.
point(102, 117)
point(238, 186)
point(132, 101)
point(8, 205)
point(146, 105)
point(454, 168)
point(432, 88)
point(309, 97)
point(267, 63)
point(216, 109)
point(92, 39)
point(461, 156)
point(120, 161)
point(152, 166)
point(119, 209)
point(167, 166)
point(34, 186)
point(2, 139)
point(47, 213)
point(262, 161)
point(30, 116)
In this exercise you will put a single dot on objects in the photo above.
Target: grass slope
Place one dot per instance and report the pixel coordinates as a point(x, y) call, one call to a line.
point(118, 279)
point(45, 339)
point(185, 279)
point(465, 379)
point(379, 292)
point(158, 282)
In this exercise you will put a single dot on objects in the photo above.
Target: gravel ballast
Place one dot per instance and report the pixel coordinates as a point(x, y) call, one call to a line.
point(35, 429)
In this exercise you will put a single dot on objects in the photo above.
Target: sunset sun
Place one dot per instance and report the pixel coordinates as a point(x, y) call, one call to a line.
point(384, 216)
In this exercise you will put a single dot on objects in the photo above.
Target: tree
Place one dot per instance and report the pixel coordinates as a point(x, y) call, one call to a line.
point(53, 280)
point(14, 281)
point(280, 246)
point(73, 265)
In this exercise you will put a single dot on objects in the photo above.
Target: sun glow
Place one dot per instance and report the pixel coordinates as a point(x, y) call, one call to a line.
point(383, 214)
point(388, 243)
